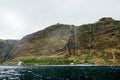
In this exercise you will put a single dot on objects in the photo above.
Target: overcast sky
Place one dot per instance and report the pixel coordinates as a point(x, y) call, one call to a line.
point(21, 17)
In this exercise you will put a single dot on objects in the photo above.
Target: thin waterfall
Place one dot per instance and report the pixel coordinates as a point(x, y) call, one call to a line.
point(75, 40)
point(69, 32)
point(70, 46)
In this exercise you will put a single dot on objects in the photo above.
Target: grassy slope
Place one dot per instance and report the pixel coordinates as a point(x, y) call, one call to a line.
point(55, 60)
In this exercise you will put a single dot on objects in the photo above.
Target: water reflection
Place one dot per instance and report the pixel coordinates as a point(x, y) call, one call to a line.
point(59, 73)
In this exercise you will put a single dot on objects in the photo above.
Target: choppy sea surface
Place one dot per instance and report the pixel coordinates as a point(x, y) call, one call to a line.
point(59, 73)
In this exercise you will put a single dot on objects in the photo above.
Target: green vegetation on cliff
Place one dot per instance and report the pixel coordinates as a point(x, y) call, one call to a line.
point(55, 60)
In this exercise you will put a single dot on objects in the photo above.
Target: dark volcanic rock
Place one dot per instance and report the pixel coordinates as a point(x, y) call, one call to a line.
point(106, 19)
point(5, 48)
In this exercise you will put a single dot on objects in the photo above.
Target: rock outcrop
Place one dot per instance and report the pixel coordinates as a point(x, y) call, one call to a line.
point(5, 48)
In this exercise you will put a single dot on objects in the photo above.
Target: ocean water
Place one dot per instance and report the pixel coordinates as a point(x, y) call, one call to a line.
point(59, 73)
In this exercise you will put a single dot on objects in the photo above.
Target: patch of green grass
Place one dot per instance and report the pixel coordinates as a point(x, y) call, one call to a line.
point(56, 60)
point(102, 55)
point(47, 61)
point(87, 58)
point(117, 27)
point(44, 60)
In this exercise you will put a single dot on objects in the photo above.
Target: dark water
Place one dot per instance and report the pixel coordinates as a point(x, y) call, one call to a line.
point(59, 73)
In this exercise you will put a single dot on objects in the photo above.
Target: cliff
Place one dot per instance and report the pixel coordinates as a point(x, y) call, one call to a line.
point(5, 48)
point(101, 38)
point(45, 42)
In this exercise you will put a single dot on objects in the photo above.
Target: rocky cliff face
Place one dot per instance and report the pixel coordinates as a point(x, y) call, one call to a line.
point(46, 42)
point(5, 48)
point(102, 35)
point(66, 40)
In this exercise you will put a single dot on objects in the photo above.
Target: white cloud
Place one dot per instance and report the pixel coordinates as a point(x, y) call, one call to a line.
point(21, 17)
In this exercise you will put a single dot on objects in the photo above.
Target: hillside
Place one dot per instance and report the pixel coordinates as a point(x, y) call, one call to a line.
point(96, 43)
point(5, 49)
point(45, 42)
